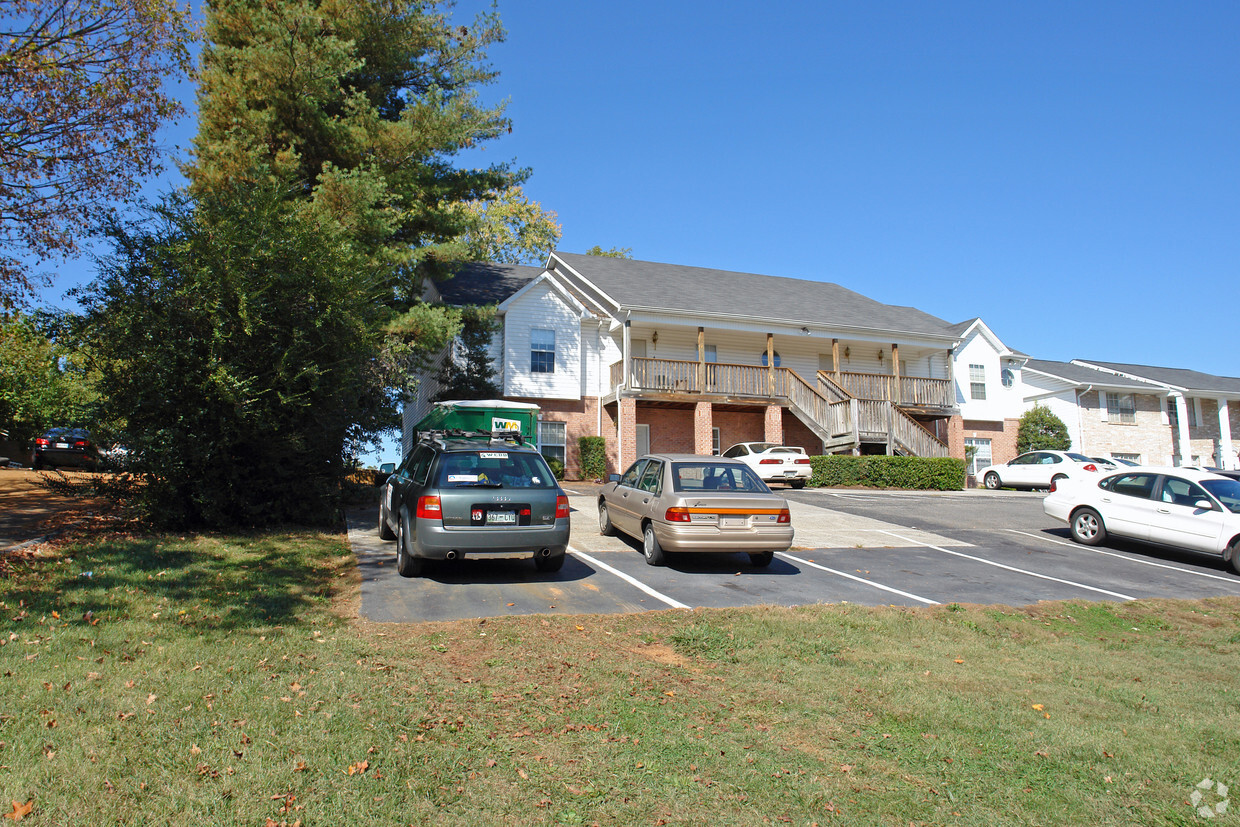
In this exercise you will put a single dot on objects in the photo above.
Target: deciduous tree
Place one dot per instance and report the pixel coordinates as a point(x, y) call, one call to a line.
point(81, 102)
point(1041, 430)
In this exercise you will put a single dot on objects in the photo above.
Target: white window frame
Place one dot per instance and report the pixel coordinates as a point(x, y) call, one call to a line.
point(539, 347)
point(1117, 411)
point(550, 448)
point(979, 460)
point(714, 441)
point(977, 382)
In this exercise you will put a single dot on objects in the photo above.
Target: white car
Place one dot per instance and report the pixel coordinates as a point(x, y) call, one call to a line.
point(1181, 507)
point(1110, 464)
point(774, 463)
point(1037, 469)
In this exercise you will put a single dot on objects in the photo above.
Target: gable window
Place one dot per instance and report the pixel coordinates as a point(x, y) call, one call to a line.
point(542, 350)
point(552, 439)
point(977, 381)
point(1121, 408)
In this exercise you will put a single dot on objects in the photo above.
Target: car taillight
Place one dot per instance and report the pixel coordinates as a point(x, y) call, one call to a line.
point(42, 443)
point(769, 461)
point(1091, 467)
point(677, 515)
point(561, 507)
point(804, 461)
point(785, 516)
point(429, 508)
point(81, 443)
point(1054, 485)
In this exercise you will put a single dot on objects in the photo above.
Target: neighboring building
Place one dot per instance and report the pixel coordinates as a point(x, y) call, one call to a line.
point(989, 394)
point(1201, 411)
point(672, 358)
point(1106, 414)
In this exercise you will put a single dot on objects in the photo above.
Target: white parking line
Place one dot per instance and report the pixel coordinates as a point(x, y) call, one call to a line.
point(1013, 568)
point(802, 561)
point(675, 604)
point(1080, 547)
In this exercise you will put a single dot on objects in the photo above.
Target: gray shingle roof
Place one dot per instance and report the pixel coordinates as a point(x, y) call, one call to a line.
point(1190, 380)
point(1081, 375)
point(678, 287)
point(483, 283)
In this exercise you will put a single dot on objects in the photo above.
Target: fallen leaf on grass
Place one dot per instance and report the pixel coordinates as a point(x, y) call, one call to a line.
point(20, 811)
point(959, 660)
point(358, 768)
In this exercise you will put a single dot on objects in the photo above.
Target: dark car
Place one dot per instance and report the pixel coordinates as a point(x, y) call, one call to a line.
point(66, 447)
point(464, 495)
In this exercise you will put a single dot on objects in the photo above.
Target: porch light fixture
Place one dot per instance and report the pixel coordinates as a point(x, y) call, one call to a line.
point(845, 352)
point(880, 354)
point(805, 330)
point(654, 338)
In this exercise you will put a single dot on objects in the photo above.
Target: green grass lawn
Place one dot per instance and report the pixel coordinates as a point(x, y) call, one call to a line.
point(218, 680)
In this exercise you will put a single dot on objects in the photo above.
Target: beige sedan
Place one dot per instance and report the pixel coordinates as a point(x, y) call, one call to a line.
point(687, 502)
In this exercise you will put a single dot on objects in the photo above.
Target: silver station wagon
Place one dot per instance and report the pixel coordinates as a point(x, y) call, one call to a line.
point(692, 503)
point(474, 495)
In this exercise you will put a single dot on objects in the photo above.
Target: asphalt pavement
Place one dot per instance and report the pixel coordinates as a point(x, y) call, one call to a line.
point(867, 547)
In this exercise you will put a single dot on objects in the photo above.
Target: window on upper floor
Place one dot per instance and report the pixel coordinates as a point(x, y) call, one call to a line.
point(542, 350)
point(977, 381)
point(712, 353)
point(1121, 408)
point(776, 358)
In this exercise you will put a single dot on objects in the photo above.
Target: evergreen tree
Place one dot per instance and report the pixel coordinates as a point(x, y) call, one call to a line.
point(468, 372)
point(1041, 430)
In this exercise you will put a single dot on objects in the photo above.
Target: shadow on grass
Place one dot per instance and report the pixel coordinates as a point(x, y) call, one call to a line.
point(224, 583)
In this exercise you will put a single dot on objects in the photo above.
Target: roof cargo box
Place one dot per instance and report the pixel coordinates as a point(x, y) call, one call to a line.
point(482, 415)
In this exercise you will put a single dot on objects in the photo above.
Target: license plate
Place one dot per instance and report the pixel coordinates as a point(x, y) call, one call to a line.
point(790, 473)
point(62, 445)
point(501, 518)
point(733, 522)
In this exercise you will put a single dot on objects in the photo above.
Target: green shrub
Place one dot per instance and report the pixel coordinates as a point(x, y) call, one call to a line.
point(593, 453)
point(557, 467)
point(924, 473)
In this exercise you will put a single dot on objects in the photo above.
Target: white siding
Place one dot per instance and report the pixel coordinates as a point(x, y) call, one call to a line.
point(542, 307)
point(1000, 403)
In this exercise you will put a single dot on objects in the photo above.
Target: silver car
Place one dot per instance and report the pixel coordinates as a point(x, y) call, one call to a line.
point(692, 503)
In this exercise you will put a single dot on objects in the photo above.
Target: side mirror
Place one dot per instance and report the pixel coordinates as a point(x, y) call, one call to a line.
point(386, 470)
point(613, 478)
point(1203, 505)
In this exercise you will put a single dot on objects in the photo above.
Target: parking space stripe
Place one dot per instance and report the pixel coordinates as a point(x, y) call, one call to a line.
point(675, 604)
point(1013, 568)
point(1080, 547)
point(802, 561)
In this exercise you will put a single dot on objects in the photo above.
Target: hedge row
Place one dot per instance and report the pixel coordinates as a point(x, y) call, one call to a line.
point(926, 473)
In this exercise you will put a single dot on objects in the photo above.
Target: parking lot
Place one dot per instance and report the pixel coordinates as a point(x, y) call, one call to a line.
point(867, 547)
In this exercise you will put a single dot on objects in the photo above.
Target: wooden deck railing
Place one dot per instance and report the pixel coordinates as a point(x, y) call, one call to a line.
point(913, 390)
point(853, 408)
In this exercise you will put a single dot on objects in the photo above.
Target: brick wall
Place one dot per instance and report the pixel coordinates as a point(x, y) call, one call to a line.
point(1002, 436)
point(1149, 436)
point(773, 424)
point(581, 419)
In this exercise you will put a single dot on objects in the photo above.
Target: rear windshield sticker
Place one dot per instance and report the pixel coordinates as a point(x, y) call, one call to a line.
point(493, 456)
point(462, 478)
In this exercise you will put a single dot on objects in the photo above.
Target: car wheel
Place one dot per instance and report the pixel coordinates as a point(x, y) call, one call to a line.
point(798, 484)
point(385, 533)
point(1087, 527)
point(407, 565)
point(651, 548)
point(993, 482)
point(761, 559)
point(1233, 556)
point(553, 563)
point(37, 465)
point(604, 521)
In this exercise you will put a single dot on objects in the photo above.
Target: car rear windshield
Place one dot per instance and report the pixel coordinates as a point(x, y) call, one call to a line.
point(1226, 491)
point(711, 476)
point(494, 468)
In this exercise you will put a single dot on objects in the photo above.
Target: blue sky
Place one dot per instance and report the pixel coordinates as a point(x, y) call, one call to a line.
point(1068, 171)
